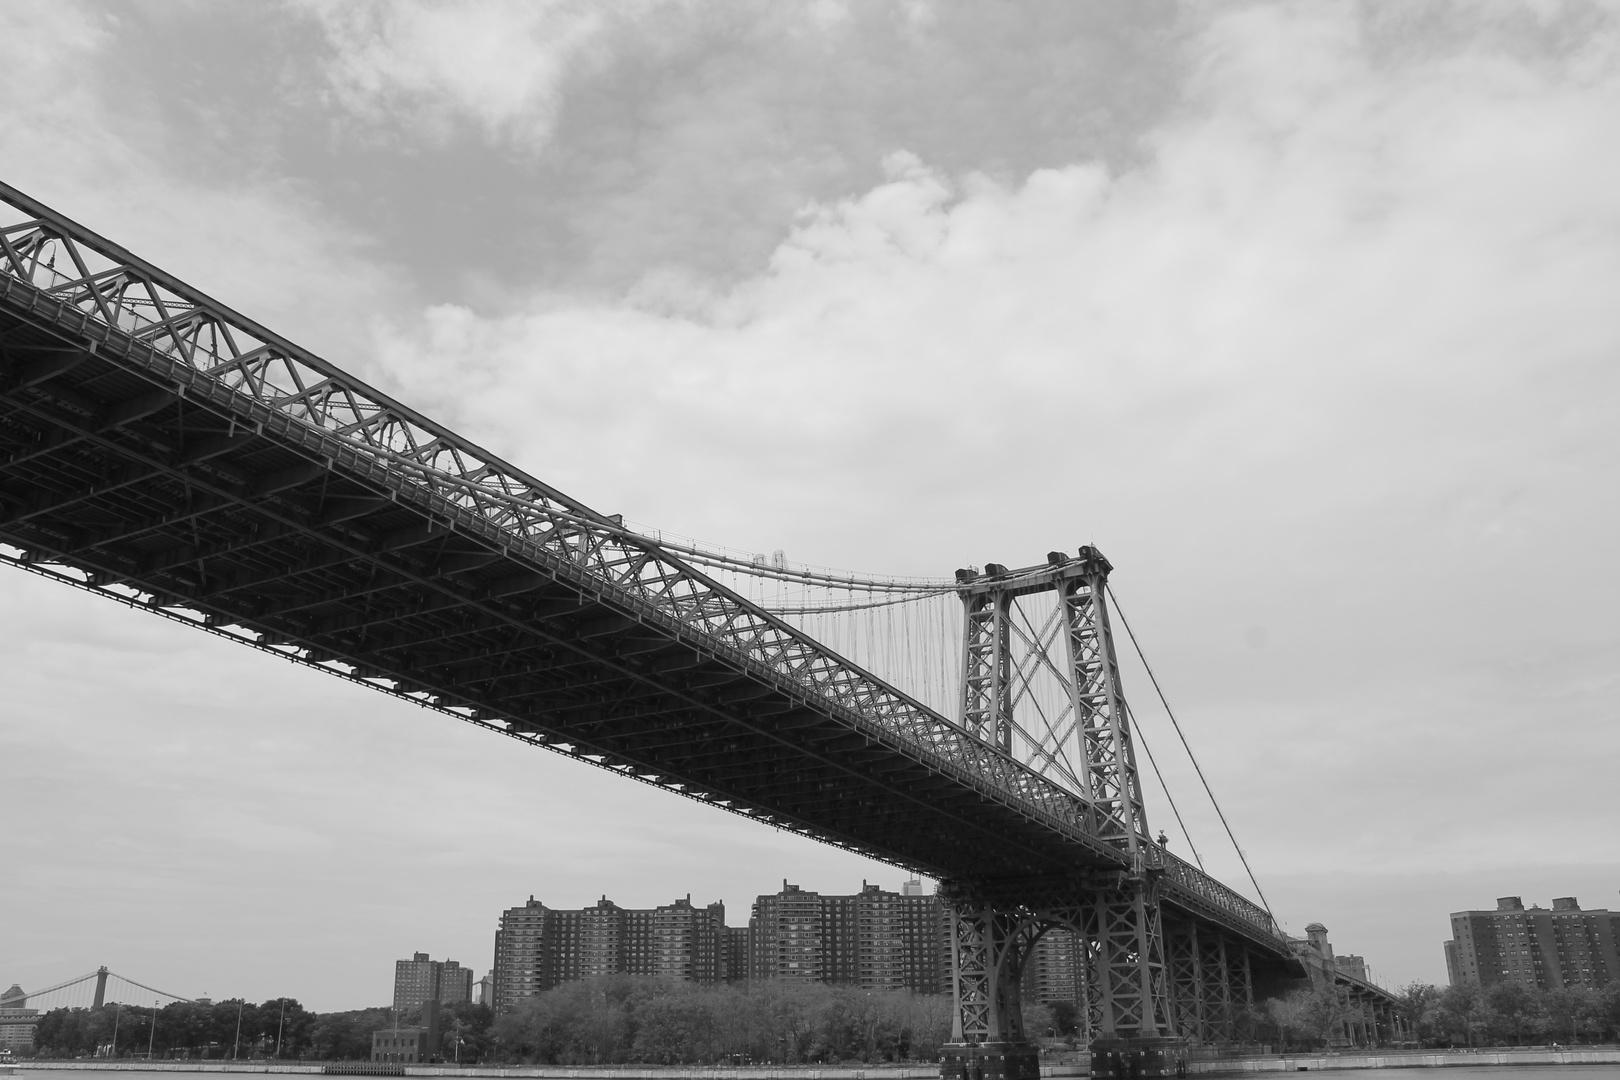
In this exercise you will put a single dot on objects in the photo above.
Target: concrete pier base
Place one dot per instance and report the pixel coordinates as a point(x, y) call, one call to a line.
point(990, 1061)
point(1131, 1059)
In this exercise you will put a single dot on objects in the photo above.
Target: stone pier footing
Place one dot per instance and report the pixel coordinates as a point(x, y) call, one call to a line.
point(1131, 1059)
point(990, 1061)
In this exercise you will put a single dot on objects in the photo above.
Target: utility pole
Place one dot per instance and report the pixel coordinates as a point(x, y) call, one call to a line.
point(236, 1050)
point(117, 1016)
point(280, 1020)
point(151, 1039)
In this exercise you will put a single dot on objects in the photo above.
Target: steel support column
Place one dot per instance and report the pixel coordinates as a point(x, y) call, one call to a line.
point(987, 693)
point(1186, 981)
point(988, 950)
point(1218, 1010)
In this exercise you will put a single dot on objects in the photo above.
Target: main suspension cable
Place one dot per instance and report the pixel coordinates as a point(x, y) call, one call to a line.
point(1244, 859)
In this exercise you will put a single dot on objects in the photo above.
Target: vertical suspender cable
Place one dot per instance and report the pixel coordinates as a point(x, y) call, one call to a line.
point(1244, 859)
point(1166, 789)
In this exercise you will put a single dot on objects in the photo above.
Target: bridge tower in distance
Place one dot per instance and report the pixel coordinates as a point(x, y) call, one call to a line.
point(1113, 911)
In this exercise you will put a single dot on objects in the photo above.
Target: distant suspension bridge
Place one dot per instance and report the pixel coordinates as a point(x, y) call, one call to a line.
point(93, 990)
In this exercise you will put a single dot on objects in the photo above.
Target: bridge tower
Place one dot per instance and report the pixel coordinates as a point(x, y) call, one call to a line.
point(1114, 912)
point(101, 986)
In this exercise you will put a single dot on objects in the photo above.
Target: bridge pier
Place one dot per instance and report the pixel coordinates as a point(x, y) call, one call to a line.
point(1129, 1005)
point(988, 950)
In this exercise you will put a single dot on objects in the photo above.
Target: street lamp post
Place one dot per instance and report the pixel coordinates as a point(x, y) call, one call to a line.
point(117, 1016)
point(236, 1049)
point(151, 1039)
point(280, 1020)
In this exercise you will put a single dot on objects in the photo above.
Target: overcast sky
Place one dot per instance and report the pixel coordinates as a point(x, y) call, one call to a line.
point(1304, 313)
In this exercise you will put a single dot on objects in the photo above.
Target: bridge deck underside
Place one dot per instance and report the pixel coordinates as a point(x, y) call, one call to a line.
point(107, 468)
point(102, 470)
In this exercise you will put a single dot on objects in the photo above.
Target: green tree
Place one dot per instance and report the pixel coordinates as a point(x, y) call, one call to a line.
point(1514, 1008)
point(1461, 1014)
point(1569, 1009)
point(1323, 1010)
point(1417, 1004)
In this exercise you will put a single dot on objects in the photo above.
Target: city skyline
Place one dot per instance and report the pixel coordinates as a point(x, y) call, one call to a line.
point(1299, 312)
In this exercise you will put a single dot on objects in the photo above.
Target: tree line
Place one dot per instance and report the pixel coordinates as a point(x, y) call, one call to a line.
point(1510, 1014)
point(616, 1019)
point(621, 1019)
point(625, 1019)
point(280, 1027)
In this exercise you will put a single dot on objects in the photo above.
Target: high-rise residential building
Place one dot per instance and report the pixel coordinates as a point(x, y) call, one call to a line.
point(789, 938)
point(415, 981)
point(874, 938)
point(1052, 971)
point(419, 980)
point(733, 954)
point(538, 948)
point(455, 984)
point(1550, 949)
point(525, 957)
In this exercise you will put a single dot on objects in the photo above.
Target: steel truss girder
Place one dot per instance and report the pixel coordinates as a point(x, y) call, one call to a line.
point(127, 323)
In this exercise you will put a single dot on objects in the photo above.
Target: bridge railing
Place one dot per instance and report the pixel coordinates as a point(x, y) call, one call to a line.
point(1192, 888)
point(188, 342)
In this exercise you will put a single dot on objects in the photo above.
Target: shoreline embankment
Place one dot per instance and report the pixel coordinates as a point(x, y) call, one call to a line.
point(1407, 1059)
point(1281, 1063)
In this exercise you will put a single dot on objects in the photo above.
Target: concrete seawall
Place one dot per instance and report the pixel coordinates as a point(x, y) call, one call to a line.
point(1414, 1060)
point(919, 1071)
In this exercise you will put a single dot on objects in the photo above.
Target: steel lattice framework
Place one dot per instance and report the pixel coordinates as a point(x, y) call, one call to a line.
point(162, 449)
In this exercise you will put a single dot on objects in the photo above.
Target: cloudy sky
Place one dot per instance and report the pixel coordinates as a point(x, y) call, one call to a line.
point(1304, 313)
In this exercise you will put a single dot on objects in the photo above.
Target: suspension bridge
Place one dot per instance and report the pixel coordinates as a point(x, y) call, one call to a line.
point(91, 990)
point(167, 452)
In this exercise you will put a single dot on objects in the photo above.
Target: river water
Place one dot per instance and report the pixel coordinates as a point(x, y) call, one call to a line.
point(1448, 1072)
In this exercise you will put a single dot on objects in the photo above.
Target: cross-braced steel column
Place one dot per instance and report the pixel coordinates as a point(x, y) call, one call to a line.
point(987, 693)
point(1112, 786)
point(1187, 981)
point(1128, 987)
point(1218, 1008)
point(1129, 995)
point(988, 948)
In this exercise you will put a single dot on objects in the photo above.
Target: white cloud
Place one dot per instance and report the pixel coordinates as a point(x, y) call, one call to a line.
point(499, 63)
point(1331, 378)
point(1345, 343)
